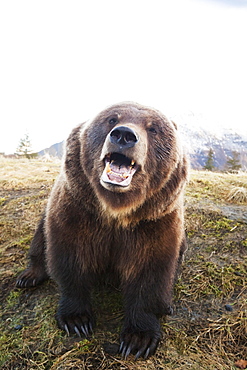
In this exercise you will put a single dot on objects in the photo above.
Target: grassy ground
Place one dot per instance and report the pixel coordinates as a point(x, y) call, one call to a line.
point(209, 327)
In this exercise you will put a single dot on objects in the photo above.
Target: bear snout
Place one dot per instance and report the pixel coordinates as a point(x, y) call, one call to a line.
point(123, 137)
point(123, 154)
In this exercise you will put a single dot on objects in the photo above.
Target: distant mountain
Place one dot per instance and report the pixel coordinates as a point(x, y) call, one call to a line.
point(198, 140)
point(56, 150)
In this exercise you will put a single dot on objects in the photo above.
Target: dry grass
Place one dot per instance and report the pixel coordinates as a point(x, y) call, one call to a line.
point(209, 327)
point(219, 186)
point(23, 174)
point(238, 194)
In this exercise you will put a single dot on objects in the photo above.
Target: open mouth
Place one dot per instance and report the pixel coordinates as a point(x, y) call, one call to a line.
point(119, 169)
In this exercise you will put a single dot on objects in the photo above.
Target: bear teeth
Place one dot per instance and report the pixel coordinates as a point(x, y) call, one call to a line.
point(108, 168)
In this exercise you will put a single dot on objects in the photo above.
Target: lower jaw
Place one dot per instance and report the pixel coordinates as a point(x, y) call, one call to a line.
point(115, 187)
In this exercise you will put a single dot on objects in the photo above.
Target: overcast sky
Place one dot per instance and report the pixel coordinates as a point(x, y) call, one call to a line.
point(63, 61)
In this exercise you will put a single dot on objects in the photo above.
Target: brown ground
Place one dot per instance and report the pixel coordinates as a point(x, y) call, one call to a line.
point(209, 327)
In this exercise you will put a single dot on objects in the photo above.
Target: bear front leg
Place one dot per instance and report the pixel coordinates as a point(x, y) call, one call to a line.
point(74, 313)
point(148, 296)
point(36, 272)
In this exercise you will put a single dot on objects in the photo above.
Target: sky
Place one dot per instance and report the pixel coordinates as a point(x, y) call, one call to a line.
point(64, 61)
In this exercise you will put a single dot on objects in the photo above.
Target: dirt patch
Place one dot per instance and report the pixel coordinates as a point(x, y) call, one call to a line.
point(237, 212)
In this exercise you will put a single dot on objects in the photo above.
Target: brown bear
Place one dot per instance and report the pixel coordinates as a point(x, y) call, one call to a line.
point(117, 207)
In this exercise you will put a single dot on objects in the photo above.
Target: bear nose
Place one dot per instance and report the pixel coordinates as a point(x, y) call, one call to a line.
point(123, 136)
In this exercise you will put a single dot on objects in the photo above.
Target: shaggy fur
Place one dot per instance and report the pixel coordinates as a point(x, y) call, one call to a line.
point(116, 206)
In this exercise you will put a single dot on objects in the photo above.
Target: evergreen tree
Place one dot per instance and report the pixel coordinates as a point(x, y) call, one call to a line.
point(25, 148)
point(233, 163)
point(209, 165)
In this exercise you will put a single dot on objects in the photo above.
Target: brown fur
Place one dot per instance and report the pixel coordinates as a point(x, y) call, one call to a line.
point(92, 225)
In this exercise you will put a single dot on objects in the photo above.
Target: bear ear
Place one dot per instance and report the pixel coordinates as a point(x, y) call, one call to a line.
point(174, 124)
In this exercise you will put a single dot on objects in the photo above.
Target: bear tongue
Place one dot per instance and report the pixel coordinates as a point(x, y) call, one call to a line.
point(121, 169)
point(117, 178)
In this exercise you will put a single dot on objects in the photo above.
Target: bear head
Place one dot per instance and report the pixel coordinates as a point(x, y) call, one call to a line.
point(129, 153)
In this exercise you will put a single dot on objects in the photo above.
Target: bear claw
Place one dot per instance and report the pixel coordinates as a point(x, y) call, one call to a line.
point(67, 329)
point(30, 278)
point(83, 330)
point(76, 325)
point(139, 344)
point(78, 332)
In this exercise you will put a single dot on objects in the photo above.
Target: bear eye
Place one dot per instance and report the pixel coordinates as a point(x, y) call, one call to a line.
point(113, 120)
point(152, 130)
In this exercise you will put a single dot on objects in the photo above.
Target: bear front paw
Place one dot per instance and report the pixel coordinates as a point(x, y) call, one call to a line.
point(140, 343)
point(30, 278)
point(81, 325)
